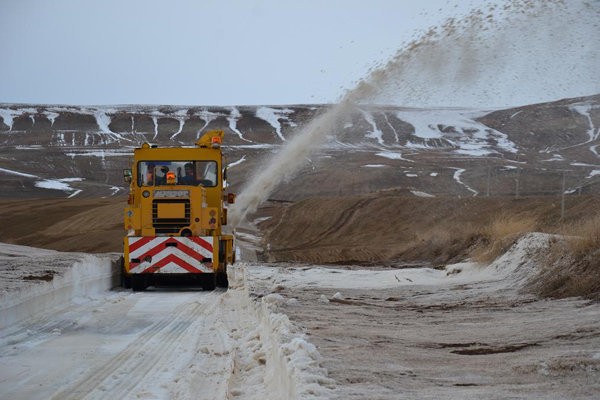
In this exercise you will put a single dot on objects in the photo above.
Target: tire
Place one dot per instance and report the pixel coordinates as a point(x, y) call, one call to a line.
point(125, 278)
point(139, 283)
point(209, 282)
point(222, 281)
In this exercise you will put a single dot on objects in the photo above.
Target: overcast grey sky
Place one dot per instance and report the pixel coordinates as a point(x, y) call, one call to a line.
point(201, 52)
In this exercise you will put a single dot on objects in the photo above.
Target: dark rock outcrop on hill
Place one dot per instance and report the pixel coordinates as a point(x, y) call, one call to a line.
point(62, 151)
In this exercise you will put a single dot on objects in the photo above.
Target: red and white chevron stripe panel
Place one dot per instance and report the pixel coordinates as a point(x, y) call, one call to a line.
point(170, 255)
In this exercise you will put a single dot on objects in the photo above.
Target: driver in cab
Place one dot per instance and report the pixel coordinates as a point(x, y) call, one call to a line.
point(188, 178)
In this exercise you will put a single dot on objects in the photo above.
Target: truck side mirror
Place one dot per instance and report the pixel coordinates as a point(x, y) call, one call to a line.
point(127, 176)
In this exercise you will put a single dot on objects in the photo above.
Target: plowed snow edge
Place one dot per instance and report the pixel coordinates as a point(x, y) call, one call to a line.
point(293, 365)
point(75, 275)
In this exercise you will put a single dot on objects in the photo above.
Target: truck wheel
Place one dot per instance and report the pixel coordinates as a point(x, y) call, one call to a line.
point(125, 278)
point(138, 283)
point(222, 280)
point(209, 282)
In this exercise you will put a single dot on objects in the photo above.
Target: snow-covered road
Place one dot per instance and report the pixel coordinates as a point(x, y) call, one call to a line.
point(165, 343)
point(147, 345)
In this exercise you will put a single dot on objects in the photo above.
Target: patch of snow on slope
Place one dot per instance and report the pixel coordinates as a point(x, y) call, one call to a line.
point(456, 177)
point(155, 121)
point(579, 164)
point(392, 155)
point(241, 160)
point(252, 146)
point(593, 173)
point(8, 115)
point(555, 157)
point(374, 165)
point(101, 153)
point(57, 184)
point(207, 117)
point(233, 117)
point(75, 193)
point(23, 174)
point(103, 121)
point(51, 116)
point(421, 194)
point(272, 116)
point(180, 116)
point(376, 133)
point(585, 109)
point(392, 128)
point(460, 128)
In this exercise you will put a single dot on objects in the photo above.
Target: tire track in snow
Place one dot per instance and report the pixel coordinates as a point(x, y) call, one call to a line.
point(136, 361)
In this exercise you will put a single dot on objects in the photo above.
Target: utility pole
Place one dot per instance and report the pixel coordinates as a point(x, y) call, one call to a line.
point(487, 188)
point(562, 197)
point(517, 189)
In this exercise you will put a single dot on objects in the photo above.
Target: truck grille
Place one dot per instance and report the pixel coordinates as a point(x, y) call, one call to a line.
point(169, 225)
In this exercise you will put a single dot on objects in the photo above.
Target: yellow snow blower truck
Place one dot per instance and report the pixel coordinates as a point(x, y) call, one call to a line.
point(175, 215)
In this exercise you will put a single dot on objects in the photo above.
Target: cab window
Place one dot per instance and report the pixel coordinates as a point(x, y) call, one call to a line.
point(181, 173)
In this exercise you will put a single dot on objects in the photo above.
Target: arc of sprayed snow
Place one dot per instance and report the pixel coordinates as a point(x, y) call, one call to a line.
point(287, 161)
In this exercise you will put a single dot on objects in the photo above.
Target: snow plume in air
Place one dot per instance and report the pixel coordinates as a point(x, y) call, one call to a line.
point(464, 60)
point(287, 161)
point(507, 54)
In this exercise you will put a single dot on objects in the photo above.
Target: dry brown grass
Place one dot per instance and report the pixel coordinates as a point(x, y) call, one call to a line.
point(501, 233)
point(573, 264)
point(583, 237)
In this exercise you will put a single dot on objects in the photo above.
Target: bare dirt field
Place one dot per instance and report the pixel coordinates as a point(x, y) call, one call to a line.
point(80, 225)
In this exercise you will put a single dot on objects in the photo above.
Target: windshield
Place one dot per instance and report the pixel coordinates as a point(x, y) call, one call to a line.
point(190, 173)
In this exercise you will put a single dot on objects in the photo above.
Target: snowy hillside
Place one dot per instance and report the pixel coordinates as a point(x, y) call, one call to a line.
point(67, 151)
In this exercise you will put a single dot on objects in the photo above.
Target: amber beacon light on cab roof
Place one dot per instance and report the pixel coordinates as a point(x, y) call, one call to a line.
point(175, 216)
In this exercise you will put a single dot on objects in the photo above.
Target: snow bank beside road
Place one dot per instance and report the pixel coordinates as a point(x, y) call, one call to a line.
point(36, 280)
point(292, 365)
point(514, 268)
